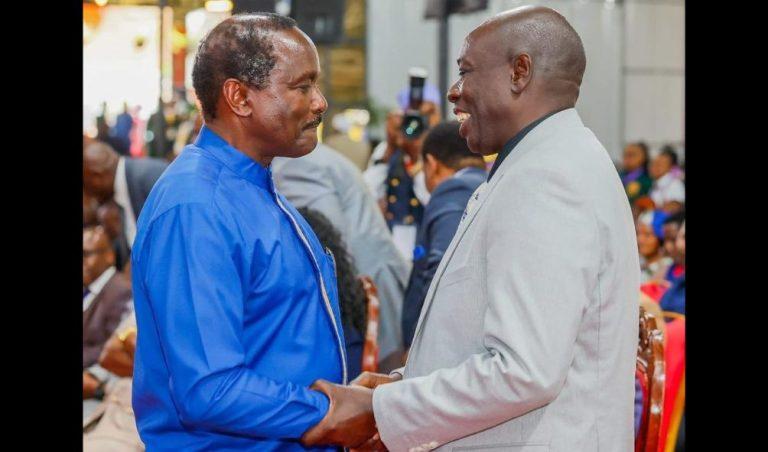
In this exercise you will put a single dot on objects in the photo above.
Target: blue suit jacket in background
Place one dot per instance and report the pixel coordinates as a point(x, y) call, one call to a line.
point(237, 309)
point(439, 224)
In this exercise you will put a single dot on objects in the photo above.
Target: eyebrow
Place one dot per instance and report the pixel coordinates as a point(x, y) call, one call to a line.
point(311, 75)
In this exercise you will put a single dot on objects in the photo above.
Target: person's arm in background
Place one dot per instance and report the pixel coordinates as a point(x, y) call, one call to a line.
point(193, 282)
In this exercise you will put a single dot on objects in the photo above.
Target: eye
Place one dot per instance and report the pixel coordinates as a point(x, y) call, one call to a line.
point(305, 88)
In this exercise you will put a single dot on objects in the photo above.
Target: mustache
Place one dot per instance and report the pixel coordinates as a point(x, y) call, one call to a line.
point(314, 123)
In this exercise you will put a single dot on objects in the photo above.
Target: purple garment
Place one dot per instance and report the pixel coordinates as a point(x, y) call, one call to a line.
point(638, 406)
point(631, 176)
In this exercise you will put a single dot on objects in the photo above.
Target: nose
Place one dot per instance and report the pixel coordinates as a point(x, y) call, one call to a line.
point(454, 92)
point(319, 104)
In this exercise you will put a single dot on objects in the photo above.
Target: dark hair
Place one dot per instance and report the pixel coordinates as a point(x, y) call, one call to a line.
point(351, 293)
point(646, 157)
point(677, 218)
point(239, 47)
point(669, 151)
point(446, 145)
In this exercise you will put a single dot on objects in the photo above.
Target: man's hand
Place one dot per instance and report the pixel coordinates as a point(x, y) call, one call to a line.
point(117, 356)
point(372, 445)
point(349, 421)
point(372, 380)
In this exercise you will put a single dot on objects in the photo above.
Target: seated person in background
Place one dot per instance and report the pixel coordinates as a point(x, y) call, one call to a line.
point(634, 174)
point(106, 300)
point(650, 236)
point(351, 294)
point(111, 425)
point(671, 227)
point(668, 192)
point(107, 175)
point(109, 217)
point(673, 299)
point(453, 173)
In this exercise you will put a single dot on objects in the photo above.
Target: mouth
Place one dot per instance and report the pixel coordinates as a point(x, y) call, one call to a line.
point(314, 124)
point(463, 118)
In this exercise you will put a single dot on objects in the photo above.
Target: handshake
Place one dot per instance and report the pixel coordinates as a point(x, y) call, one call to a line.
point(349, 421)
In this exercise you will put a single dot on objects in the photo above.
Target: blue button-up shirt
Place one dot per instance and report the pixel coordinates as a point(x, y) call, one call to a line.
point(237, 309)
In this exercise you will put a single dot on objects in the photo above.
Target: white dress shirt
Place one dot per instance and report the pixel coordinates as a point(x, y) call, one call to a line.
point(96, 286)
point(123, 199)
point(667, 188)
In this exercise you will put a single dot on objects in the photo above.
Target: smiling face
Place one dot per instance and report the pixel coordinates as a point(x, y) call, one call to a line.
point(482, 95)
point(287, 112)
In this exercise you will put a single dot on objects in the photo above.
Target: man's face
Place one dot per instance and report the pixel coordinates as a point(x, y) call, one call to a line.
point(482, 94)
point(287, 112)
point(647, 242)
point(633, 157)
point(97, 254)
point(670, 235)
point(660, 166)
point(98, 181)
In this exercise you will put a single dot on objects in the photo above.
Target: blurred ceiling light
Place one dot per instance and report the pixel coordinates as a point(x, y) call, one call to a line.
point(218, 6)
point(100, 2)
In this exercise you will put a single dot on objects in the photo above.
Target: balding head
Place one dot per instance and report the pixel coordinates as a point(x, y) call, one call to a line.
point(99, 167)
point(515, 68)
point(555, 49)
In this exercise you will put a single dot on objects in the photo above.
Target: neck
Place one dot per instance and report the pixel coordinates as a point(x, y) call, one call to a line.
point(240, 140)
point(533, 111)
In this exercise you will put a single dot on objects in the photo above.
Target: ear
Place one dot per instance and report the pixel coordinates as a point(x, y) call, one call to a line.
point(235, 95)
point(520, 72)
point(431, 162)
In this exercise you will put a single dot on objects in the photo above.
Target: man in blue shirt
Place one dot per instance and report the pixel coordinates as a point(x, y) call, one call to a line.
point(236, 300)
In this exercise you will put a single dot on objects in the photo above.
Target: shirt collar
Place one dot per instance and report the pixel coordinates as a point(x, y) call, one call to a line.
point(515, 140)
point(99, 283)
point(237, 161)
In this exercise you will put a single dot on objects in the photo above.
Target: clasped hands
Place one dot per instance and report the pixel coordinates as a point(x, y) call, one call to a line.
point(349, 421)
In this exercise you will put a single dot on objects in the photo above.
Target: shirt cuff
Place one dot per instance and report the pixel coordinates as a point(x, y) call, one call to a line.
point(320, 401)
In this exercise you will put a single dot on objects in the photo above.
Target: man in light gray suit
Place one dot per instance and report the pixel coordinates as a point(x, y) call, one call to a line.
point(527, 338)
point(328, 182)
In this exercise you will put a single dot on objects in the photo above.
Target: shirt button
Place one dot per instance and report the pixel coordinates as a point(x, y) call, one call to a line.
point(414, 202)
point(408, 219)
point(394, 182)
point(392, 199)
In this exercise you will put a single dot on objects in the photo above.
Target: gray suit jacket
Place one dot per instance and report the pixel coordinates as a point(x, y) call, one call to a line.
point(326, 181)
point(527, 338)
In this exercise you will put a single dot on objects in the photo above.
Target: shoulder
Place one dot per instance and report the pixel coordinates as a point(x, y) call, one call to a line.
point(192, 179)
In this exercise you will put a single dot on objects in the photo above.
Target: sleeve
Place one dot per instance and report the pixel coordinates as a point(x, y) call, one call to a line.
point(194, 282)
point(541, 267)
